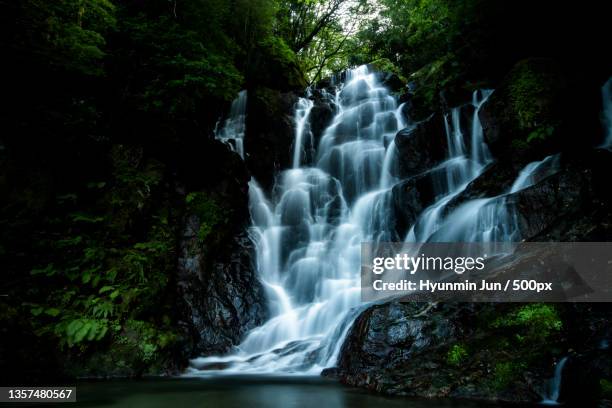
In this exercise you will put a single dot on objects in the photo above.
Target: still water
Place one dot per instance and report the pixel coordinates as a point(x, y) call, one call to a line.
point(244, 392)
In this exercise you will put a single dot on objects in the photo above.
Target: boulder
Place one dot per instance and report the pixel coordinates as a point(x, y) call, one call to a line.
point(409, 348)
point(475, 351)
point(421, 147)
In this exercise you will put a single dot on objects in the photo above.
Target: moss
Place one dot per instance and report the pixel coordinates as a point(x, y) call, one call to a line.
point(606, 388)
point(268, 100)
point(535, 322)
point(209, 212)
point(385, 65)
point(534, 87)
point(506, 372)
point(529, 91)
point(456, 354)
point(438, 75)
point(277, 65)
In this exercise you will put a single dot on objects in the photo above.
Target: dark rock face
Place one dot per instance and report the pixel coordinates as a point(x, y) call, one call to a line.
point(421, 147)
point(410, 348)
point(412, 196)
point(219, 295)
point(402, 348)
point(534, 112)
point(496, 179)
point(222, 302)
point(269, 133)
point(322, 112)
point(392, 81)
point(573, 205)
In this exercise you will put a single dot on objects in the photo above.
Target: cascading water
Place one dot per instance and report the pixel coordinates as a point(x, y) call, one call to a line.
point(302, 129)
point(308, 235)
point(452, 176)
point(554, 387)
point(309, 232)
point(606, 116)
point(232, 130)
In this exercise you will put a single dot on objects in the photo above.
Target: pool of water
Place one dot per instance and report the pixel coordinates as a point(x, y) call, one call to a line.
point(243, 392)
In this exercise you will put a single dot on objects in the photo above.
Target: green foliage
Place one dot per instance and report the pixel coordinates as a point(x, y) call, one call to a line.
point(143, 340)
point(541, 134)
point(69, 34)
point(530, 90)
point(534, 323)
point(606, 388)
point(210, 214)
point(107, 276)
point(456, 354)
point(506, 372)
point(524, 334)
point(111, 95)
point(321, 32)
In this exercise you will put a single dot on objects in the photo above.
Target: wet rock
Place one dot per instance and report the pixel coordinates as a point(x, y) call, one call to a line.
point(322, 113)
point(421, 147)
point(269, 133)
point(496, 179)
point(572, 205)
point(411, 197)
point(402, 349)
point(223, 300)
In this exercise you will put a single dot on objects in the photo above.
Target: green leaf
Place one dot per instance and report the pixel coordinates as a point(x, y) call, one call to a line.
point(52, 311)
point(82, 332)
point(48, 270)
point(36, 311)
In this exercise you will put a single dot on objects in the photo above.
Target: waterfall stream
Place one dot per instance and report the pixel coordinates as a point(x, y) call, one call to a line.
point(232, 130)
point(554, 386)
point(606, 116)
point(309, 230)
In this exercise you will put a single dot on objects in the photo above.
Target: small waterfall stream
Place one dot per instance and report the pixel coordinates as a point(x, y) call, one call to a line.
point(452, 176)
point(309, 230)
point(606, 115)
point(232, 130)
point(554, 386)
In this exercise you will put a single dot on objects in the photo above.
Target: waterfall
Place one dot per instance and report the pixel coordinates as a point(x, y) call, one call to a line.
point(453, 175)
point(493, 219)
point(606, 116)
point(302, 127)
point(554, 386)
point(232, 130)
point(308, 232)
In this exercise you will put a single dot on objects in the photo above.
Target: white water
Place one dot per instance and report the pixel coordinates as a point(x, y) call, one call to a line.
point(233, 128)
point(302, 128)
point(554, 387)
point(452, 176)
point(309, 230)
point(606, 116)
point(308, 234)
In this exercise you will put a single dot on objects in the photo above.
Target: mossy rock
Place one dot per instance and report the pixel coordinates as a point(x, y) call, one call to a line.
point(527, 114)
point(389, 74)
point(269, 132)
point(275, 65)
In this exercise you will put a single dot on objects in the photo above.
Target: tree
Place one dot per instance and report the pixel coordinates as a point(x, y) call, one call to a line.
point(319, 32)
